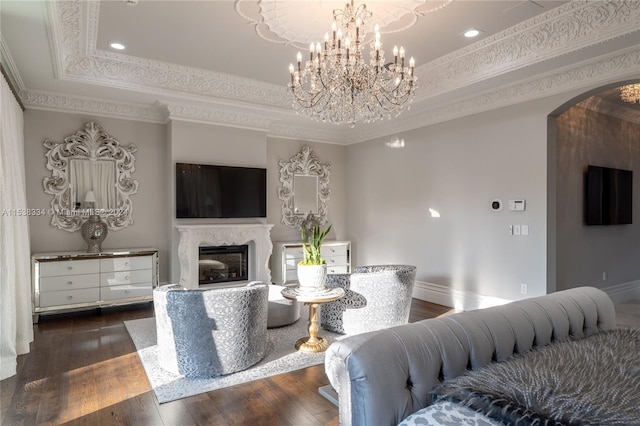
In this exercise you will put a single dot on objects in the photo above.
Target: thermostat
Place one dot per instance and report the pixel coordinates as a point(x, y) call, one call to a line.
point(516, 205)
point(496, 205)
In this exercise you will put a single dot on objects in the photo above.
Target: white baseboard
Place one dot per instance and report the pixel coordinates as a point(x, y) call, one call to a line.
point(622, 293)
point(458, 299)
point(467, 301)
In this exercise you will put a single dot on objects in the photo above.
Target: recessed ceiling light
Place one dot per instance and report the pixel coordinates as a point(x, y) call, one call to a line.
point(117, 46)
point(472, 32)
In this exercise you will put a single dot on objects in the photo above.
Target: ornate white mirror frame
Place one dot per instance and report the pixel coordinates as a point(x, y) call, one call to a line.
point(303, 165)
point(90, 144)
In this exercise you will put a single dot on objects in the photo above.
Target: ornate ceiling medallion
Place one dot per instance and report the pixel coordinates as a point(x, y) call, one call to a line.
point(288, 23)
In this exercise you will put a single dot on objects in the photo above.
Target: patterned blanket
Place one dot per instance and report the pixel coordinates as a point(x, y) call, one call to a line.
point(592, 381)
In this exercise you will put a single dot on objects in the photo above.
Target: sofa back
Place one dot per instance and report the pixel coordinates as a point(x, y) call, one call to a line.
point(384, 376)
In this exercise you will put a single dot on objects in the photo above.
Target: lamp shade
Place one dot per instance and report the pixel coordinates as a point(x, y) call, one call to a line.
point(90, 197)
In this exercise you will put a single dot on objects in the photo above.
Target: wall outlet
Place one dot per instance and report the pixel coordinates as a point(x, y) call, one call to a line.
point(523, 289)
point(516, 229)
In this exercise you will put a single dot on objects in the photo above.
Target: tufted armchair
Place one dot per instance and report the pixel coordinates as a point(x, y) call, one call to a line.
point(210, 332)
point(376, 297)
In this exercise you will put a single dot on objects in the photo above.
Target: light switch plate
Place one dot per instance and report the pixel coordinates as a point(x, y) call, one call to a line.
point(516, 229)
point(525, 229)
point(517, 205)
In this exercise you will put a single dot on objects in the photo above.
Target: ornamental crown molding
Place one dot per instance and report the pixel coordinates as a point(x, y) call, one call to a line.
point(79, 104)
point(560, 31)
point(607, 69)
point(80, 60)
point(222, 99)
point(217, 115)
point(10, 68)
point(557, 32)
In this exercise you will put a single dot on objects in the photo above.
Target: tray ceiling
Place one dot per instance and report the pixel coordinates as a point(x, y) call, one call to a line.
point(226, 61)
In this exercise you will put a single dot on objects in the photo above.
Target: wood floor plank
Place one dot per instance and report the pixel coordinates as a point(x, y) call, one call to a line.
point(83, 370)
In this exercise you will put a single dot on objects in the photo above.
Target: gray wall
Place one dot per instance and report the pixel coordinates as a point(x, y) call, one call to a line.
point(159, 148)
point(150, 220)
point(282, 150)
point(209, 144)
point(457, 168)
point(584, 138)
point(381, 196)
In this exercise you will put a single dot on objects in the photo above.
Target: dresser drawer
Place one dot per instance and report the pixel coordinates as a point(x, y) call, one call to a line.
point(294, 253)
point(126, 263)
point(69, 297)
point(69, 282)
point(343, 269)
point(69, 267)
point(333, 250)
point(336, 261)
point(127, 277)
point(292, 263)
point(116, 292)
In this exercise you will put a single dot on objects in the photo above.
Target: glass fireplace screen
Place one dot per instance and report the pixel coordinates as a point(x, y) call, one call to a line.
point(221, 264)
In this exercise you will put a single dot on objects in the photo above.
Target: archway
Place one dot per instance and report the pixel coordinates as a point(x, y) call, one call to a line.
point(594, 128)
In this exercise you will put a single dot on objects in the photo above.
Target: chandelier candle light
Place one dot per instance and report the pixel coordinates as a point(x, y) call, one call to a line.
point(339, 85)
point(630, 93)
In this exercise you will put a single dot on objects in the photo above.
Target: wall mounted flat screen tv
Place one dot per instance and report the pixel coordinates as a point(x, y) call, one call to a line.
point(208, 191)
point(608, 196)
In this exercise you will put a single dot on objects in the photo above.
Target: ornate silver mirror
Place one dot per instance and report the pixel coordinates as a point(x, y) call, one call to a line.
point(304, 189)
point(90, 173)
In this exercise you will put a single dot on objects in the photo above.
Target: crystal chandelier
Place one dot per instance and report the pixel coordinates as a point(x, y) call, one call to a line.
point(338, 84)
point(630, 93)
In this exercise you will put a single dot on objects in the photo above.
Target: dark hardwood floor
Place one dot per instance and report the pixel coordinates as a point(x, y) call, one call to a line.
point(83, 370)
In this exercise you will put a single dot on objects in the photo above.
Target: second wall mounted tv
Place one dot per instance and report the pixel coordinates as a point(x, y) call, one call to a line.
point(608, 196)
point(208, 191)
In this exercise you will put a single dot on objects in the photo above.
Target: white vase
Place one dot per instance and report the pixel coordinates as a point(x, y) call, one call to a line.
point(312, 278)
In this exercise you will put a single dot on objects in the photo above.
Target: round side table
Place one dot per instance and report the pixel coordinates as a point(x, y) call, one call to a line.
point(313, 343)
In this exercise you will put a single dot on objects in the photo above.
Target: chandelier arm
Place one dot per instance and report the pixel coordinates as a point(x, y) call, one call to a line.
point(310, 103)
point(339, 86)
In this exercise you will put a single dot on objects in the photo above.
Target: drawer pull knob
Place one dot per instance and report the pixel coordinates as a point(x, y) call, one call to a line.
point(69, 267)
point(126, 278)
point(126, 291)
point(69, 297)
point(126, 263)
point(69, 282)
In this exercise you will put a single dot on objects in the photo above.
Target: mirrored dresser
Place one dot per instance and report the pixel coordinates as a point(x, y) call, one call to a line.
point(286, 255)
point(65, 281)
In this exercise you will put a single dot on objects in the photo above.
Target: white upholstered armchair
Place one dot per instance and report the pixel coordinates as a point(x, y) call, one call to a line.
point(376, 297)
point(210, 332)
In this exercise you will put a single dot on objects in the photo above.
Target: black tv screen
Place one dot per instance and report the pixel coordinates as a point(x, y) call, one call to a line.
point(207, 191)
point(608, 196)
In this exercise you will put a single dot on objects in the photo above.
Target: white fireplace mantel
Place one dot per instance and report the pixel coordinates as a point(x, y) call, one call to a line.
point(192, 237)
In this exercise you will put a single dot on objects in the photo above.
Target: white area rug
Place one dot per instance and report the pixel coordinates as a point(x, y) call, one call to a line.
point(281, 357)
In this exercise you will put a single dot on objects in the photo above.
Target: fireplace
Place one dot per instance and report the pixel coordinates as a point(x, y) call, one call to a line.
point(255, 236)
point(222, 264)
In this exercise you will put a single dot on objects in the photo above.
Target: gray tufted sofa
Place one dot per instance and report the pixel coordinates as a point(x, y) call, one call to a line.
point(376, 297)
point(210, 332)
point(384, 376)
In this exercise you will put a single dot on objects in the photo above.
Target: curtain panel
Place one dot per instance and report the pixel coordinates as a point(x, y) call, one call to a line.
point(16, 328)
